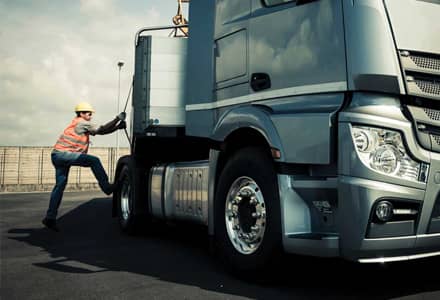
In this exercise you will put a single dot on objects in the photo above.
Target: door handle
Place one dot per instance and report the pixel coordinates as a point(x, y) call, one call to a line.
point(301, 2)
point(260, 81)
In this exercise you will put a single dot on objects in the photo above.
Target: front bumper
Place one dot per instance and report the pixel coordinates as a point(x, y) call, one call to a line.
point(360, 188)
point(357, 198)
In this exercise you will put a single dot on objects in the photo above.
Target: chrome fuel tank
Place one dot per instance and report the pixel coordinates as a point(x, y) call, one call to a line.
point(179, 191)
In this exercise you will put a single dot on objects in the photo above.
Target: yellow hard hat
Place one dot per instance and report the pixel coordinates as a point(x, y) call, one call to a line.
point(84, 106)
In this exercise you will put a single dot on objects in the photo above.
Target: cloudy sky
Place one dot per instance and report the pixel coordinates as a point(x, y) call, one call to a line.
point(54, 54)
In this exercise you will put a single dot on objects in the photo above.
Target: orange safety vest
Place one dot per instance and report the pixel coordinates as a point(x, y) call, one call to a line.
point(70, 141)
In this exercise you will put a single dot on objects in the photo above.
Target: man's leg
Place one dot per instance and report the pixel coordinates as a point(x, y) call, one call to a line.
point(86, 160)
point(61, 176)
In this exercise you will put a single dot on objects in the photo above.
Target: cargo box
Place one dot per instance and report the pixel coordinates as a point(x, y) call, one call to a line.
point(158, 92)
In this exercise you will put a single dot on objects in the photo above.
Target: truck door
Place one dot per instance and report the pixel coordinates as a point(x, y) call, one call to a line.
point(298, 46)
point(231, 49)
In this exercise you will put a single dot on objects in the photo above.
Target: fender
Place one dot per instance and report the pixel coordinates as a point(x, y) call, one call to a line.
point(301, 127)
point(256, 117)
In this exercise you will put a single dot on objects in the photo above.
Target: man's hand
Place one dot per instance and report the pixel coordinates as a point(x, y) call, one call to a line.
point(121, 116)
point(122, 125)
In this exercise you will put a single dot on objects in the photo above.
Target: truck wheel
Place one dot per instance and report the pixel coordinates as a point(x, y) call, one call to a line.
point(125, 199)
point(247, 213)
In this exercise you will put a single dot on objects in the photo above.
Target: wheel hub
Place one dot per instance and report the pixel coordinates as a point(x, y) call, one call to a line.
point(125, 200)
point(245, 215)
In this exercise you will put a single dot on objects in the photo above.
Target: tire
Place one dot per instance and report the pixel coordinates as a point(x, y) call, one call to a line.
point(133, 219)
point(248, 230)
point(125, 201)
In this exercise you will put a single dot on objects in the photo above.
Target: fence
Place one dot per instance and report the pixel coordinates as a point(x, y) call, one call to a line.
point(28, 169)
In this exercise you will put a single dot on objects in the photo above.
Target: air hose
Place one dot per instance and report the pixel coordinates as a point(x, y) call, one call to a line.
point(125, 108)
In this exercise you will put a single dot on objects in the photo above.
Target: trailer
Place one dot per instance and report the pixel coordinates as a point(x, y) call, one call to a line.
point(303, 127)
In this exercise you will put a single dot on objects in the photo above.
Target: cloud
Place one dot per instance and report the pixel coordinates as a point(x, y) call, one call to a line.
point(50, 61)
point(98, 7)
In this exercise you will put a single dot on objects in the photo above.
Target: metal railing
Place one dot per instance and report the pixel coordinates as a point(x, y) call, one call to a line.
point(30, 169)
point(156, 28)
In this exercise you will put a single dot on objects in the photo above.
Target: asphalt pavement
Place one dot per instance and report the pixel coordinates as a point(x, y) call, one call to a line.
point(91, 259)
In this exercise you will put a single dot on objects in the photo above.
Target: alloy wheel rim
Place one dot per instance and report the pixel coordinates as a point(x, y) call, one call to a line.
point(245, 215)
point(125, 200)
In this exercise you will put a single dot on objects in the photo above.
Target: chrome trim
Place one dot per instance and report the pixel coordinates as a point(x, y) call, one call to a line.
point(397, 258)
point(394, 238)
point(292, 91)
point(428, 235)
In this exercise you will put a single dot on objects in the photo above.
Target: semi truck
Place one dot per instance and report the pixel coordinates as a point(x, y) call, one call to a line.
point(300, 127)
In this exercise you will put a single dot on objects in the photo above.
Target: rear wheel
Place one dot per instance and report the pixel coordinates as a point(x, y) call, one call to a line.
point(247, 213)
point(131, 199)
point(125, 201)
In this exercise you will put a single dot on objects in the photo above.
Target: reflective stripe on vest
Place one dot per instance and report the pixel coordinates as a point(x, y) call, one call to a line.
point(70, 141)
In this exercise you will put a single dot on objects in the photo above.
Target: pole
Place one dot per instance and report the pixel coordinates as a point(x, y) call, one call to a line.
point(120, 64)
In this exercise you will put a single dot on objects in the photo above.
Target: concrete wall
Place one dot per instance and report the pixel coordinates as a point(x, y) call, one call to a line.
point(25, 169)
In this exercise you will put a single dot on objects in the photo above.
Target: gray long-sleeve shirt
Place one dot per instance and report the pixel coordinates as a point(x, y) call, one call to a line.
point(84, 127)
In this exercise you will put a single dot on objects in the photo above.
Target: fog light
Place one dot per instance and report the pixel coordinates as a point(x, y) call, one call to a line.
point(384, 211)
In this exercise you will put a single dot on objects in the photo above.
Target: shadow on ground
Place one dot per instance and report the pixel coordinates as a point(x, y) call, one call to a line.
point(90, 241)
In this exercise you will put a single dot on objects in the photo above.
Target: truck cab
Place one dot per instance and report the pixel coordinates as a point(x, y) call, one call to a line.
point(306, 127)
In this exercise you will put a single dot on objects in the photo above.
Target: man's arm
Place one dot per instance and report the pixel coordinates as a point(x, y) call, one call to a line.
point(107, 128)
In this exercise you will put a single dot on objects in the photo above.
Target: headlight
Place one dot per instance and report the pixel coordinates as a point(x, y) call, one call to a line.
point(383, 151)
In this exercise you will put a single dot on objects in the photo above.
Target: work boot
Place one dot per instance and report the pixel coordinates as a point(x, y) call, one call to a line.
point(51, 224)
point(113, 187)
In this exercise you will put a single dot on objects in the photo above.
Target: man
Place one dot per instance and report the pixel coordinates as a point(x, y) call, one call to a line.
point(71, 150)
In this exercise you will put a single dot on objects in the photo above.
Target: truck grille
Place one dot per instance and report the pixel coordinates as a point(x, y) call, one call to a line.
point(436, 139)
point(432, 114)
point(428, 87)
point(427, 122)
point(424, 62)
point(422, 73)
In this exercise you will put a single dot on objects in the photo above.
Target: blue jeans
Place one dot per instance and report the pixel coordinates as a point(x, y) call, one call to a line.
point(62, 162)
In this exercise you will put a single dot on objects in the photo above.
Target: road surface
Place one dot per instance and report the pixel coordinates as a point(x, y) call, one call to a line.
point(91, 259)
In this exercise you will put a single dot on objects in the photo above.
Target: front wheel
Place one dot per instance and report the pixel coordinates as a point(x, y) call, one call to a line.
point(247, 212)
